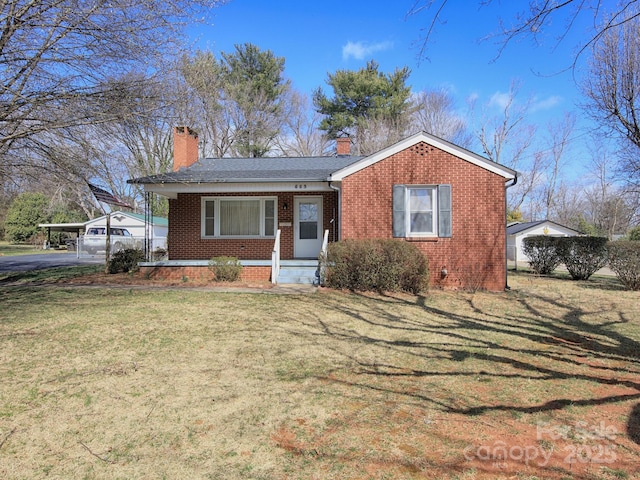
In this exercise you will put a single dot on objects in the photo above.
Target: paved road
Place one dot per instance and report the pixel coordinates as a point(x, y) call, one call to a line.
point(23, 263)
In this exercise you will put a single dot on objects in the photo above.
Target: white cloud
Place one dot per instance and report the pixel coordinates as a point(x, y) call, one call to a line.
point(500, 100)
point(362, 50)
point(473, 97)
point(546, 104)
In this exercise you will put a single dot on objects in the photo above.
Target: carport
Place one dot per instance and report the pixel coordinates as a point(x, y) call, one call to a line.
point(62, 227)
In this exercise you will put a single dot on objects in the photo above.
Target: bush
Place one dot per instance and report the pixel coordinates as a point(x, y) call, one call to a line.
point(125, 260)
point(624, 260)
point(225, 269)
point(159, 254)
point(376, 265)
point(24, 215)
point(582, 256)
point(542, 251)
point(634, 234)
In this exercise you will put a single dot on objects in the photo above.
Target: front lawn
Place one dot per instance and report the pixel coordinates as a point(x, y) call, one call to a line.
point(11, 249)
point(539, 382)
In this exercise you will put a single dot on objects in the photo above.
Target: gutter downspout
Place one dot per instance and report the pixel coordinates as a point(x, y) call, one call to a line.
point(337, 220)
point(506, 237)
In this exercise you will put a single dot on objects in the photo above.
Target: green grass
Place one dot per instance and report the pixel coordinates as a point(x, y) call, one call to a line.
point(9, 249)
point(48, 275)
point(181, 383)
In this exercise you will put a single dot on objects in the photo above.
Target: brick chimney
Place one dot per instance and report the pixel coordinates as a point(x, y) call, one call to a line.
point(343, 146)
point(185, 147)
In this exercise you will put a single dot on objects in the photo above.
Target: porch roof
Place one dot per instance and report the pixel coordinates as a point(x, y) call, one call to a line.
point(245, 170)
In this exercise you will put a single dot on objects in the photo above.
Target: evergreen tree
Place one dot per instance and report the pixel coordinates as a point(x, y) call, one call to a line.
point(240, 99)
point(366, 102)
point(254, 82)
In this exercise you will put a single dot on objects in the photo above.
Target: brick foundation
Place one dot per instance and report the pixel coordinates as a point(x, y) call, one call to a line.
point(202, 273)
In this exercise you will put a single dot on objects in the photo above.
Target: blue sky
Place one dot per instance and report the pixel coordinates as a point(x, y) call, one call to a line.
point(317, 38)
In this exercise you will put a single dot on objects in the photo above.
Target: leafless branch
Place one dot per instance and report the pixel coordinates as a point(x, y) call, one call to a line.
point(4, 440)
point(95, 454)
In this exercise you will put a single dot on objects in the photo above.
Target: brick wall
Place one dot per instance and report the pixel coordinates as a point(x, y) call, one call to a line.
point(186, 243)
point(476, 252)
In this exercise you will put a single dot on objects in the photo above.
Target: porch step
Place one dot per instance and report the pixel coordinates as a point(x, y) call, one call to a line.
point(298, 272)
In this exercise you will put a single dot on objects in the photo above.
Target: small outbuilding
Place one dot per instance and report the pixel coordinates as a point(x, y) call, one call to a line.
point(518, 231)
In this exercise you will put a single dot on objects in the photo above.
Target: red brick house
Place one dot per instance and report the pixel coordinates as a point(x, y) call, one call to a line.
point(272, 213)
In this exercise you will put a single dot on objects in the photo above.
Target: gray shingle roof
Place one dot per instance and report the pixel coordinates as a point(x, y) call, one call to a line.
point(520, 227)
point(266, 169)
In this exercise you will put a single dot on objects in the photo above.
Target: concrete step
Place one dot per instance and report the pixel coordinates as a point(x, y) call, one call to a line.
point(298, 274)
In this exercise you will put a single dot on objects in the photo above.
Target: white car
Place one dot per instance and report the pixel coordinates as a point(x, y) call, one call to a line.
point(96, 239)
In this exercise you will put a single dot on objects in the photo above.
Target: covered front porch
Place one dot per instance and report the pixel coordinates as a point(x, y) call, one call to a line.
point(275, 270)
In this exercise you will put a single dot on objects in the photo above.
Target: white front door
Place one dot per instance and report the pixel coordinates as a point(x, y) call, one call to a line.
point(307, 224)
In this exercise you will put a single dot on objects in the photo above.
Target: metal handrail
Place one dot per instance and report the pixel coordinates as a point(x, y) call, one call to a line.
point(322, 258)
point(325, 242)
point(275, 259)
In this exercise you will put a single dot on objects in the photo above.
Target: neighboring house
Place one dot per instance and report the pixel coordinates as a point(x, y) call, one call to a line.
point(518, 231)
point(267, 212)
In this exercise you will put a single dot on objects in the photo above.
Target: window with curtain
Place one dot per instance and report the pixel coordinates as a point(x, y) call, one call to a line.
point(238, 217)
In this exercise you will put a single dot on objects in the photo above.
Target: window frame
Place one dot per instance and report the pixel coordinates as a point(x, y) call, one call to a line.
point(441, 207)
point(217, 216)
point(434, 211)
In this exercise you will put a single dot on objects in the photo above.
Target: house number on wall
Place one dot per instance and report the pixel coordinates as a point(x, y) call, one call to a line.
point(301, 186)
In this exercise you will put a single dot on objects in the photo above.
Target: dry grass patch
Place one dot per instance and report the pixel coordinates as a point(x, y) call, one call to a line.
point(113, 383)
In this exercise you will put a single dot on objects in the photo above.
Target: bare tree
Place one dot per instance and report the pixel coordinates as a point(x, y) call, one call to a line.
point(53, 53)
point(612, 87)
point(435, 113)
point(569, 205)
point(202, 79)
point(559, 133)
point(300, 136)
point(608, 206)
point(534, 21)
point(506, 139)
point(379, 131)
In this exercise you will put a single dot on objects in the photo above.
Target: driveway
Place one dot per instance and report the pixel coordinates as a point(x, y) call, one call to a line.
point(40, 261)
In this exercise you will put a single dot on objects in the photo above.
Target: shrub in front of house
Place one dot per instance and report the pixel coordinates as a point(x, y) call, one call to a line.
point(376, 265)
point(582, 256)
point(126, 260)
point(542, 251)
point(225, 269)
point(624, 260)
point(159, 254)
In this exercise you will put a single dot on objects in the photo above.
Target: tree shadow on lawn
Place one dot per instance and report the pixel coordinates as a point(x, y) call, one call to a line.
point(528, 344)
point(633, 424)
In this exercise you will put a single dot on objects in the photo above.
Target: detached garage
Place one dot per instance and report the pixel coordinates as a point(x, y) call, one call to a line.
point(517, 232)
